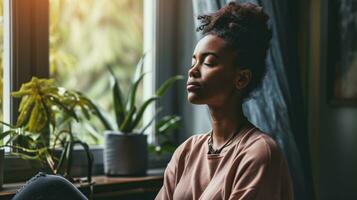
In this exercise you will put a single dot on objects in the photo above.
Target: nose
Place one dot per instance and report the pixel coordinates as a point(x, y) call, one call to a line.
point(194, 71)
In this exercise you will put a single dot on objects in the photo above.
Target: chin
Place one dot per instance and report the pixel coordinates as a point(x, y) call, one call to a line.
point(194, 99)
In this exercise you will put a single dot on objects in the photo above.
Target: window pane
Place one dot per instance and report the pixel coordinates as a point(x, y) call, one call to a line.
point(88, 35)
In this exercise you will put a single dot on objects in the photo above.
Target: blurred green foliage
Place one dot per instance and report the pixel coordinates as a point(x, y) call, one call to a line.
point(164, 129)
point(86, 36)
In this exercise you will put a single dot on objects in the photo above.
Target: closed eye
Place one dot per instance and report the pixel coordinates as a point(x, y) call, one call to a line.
point(208, 64)
point(193, 62)
point(210, 60)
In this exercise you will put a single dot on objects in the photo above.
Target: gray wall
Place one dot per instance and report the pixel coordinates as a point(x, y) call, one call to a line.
point(175, 45)
point(338, 148)
point(338, 135)
point(195, 117)
point(333, 129)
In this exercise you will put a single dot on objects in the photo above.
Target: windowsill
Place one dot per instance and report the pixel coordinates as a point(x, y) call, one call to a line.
point(145, 187)
point(19, 170)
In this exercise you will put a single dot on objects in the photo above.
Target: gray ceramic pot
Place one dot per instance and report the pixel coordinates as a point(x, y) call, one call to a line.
point(125, 154)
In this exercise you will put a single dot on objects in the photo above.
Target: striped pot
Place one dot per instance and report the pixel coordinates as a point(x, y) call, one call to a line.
point(125, 154)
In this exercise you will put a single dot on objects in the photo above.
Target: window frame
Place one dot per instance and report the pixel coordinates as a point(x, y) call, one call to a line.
point(26, 47)
point(160, 20)
point(149, 48)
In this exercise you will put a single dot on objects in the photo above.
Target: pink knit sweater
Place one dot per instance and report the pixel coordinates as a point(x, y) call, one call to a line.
point(251, 167)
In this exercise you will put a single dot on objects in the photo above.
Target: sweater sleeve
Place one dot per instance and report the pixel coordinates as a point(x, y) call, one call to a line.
point(261, 173)
point(173, 172)
point(167, 190)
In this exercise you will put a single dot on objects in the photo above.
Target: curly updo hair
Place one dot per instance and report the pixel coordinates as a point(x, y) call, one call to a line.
point(245, 28)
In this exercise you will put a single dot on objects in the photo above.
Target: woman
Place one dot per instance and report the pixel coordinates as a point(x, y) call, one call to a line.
point(235, 160)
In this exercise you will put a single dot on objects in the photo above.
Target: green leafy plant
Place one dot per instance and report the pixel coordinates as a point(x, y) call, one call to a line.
point(163, 134)
point(46, 112)
point(127, 114)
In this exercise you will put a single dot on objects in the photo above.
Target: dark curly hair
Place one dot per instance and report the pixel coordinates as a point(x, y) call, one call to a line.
point(245, 28)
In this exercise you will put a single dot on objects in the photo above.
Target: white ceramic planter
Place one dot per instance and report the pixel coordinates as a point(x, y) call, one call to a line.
point(125, 154)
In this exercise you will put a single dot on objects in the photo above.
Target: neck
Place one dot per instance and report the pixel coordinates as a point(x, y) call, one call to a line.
point(226, 120)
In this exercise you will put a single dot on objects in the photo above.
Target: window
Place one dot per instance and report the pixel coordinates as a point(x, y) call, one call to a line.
point(28, 48)
point(85, 37)
point(27, 45)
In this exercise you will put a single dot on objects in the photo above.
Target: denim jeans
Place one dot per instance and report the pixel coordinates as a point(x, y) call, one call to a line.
point(48, 187)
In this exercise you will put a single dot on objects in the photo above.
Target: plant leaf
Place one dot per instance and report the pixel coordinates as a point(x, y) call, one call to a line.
point(51, 115)
point(118, 99)
point(26, 156)
point(6, 133)
point(50, 161)
point(6, 124)
point(62, 157)
point(162, 89)
point(151, 121)
point(139, 68)
point(125, 127)
point(168, 123)
point(12, 139)
point(37, 120)
point(68, 111)
point(68, 157)
point(101, 116)
point(24, 115)
point(141, 111)
point(132, 94)
point(20, 93)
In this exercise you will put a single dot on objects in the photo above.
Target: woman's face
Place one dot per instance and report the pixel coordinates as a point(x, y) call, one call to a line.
point(212, 77)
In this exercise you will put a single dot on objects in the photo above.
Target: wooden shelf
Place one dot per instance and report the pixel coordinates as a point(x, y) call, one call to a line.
point(108, 188)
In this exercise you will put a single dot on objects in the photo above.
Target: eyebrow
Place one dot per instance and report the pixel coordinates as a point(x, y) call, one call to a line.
point(205, 54)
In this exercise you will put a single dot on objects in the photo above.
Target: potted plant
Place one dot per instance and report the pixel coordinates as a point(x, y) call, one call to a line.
point(125, 145)
point(46, 112)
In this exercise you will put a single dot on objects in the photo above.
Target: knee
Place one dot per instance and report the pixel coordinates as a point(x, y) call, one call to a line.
point(44, 186)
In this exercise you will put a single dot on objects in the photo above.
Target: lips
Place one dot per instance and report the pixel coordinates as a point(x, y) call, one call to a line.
point(192, 86)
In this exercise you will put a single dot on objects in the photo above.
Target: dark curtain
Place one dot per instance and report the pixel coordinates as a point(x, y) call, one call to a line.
point(277, 108)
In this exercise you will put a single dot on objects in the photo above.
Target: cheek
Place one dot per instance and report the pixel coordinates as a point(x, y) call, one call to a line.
point(218, 85)
point(219, 81)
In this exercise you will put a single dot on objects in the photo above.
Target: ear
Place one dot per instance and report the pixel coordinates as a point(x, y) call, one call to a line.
point(243, 77)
